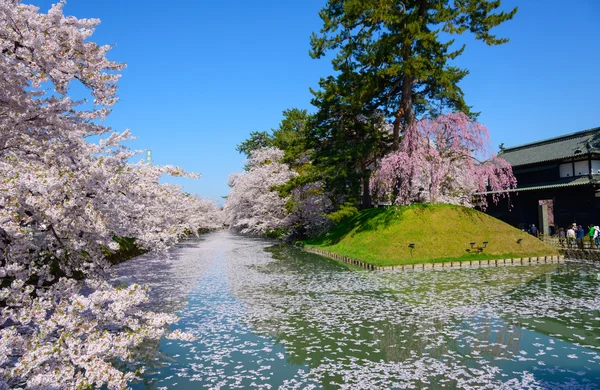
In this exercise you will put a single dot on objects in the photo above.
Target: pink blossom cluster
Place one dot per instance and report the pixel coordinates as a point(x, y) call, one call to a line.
point(63, 199)
point(442, 160)
point(254, 205)
point(65, 339)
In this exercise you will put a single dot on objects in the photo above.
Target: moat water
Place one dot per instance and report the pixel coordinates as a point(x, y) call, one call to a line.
point(271, 316)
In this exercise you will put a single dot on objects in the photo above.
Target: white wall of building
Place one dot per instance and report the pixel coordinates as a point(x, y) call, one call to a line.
point(581, 168)
point(596, 166)
point(566, 170)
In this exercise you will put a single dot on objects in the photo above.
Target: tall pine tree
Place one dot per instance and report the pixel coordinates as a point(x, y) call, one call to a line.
point(346, 137)
point(397, 51)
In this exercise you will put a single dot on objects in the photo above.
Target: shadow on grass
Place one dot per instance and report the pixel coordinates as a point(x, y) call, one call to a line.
point(380, 218)
point(292, 259)
point(474, 215)
point(365, 221)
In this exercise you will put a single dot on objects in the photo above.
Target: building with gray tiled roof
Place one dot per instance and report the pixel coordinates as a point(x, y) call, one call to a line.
point(558, 181)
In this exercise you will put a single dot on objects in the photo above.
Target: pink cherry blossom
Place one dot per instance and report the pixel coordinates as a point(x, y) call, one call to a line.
point(253, 205)
point(442, 160)
point(63, 199)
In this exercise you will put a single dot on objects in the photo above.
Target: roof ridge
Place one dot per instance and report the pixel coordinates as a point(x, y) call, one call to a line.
point(551, 140)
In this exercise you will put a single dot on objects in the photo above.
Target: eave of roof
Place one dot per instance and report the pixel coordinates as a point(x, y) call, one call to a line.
point(576, 145)
point(570, 182)
point(555, 139)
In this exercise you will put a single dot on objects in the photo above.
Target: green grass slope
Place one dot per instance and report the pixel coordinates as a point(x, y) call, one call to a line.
point(440, 233)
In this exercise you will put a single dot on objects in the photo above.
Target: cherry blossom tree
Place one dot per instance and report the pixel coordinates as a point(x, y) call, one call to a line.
point(63, 200)
point(254, 205)
point(257, 203)
point(443, 160)
point(310, 205)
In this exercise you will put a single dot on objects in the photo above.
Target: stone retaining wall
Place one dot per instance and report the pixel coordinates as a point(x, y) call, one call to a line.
point(582, 254)
point(445, 265)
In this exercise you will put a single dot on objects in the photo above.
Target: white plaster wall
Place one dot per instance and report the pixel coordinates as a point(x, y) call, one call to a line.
point(582, 168)
point(566, 170)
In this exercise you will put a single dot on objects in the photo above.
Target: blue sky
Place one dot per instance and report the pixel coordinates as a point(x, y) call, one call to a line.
point(201, 75)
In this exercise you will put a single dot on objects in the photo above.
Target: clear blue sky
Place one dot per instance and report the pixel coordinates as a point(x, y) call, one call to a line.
point(202, 74)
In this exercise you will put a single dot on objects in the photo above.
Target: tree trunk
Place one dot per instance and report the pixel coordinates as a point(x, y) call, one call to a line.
point(406, 110)
point(366, 191)
point(406, 103)
point(396, 131)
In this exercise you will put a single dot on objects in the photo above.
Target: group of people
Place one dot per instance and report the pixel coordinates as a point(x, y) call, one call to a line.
point(575, 236)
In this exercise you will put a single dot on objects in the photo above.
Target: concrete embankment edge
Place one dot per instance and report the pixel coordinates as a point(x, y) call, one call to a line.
point(445, 265)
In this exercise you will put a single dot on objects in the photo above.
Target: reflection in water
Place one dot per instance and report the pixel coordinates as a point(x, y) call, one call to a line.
point(270, 316)
point(172, 275)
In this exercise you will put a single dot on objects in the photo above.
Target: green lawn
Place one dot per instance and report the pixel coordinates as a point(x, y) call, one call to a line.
point(439, 233)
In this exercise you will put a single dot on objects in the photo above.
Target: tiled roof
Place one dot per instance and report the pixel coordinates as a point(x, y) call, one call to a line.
point(565, 182)
point(559, 148)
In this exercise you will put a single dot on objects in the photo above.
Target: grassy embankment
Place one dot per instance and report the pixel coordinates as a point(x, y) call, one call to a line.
point(439, 233)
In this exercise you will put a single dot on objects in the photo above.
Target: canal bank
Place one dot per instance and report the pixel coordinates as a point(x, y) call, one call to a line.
point(424, 233)
point(558, 259)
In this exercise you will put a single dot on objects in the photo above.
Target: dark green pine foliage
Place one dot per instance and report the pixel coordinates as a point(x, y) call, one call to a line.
point(290, 136)
point(396, 50)
point(257, 140)
point(346, 136)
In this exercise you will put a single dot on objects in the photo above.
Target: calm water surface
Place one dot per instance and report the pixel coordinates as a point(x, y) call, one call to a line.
point(269, 316)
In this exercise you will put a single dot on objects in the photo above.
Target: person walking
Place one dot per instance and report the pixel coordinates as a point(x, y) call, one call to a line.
point(571, 236)
point(597, 236)
point(533, 230)
point(591, 235)
point(562, 235)
point(580, 234)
